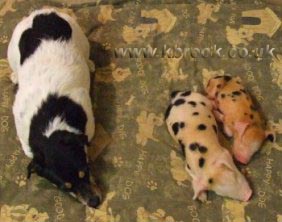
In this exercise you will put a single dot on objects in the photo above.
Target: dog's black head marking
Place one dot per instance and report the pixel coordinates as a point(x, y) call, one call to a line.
point(60, 157)
point(44, 26)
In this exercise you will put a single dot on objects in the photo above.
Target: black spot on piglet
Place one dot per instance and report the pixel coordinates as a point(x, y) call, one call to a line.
point(187, 93)
point(227, 78)
point(236, 93)
point(192, 103)
point(193, 146)
point(182, 147)
point(179, 102)
point(173, 94)
point(203, 149)
point(202, 127)
point(168, 111)
point(175, 128)
point(201, 162)
point(214, 128)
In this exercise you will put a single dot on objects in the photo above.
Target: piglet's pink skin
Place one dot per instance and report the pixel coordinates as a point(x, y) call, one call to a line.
point(191, 123)
point(235, 109)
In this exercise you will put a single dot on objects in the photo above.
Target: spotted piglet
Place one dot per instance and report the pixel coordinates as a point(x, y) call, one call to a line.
point(191, 123)
point(240, 117)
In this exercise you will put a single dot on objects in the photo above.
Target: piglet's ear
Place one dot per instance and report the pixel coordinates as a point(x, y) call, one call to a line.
point(270, 135)
point(225, 160)
point(226, 166)
point(241, 127)
point(238, 78)
point(212, 93)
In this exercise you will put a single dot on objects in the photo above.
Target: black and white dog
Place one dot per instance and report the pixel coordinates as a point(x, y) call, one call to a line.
point(48, 54)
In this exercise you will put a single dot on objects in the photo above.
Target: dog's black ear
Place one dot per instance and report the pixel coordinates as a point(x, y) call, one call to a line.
point(67, 138)
point(72, 138)
point(41, 170)
point(83, 140)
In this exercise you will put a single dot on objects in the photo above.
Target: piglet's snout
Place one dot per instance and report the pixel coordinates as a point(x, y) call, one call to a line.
point(245, 192)
point(242, 157)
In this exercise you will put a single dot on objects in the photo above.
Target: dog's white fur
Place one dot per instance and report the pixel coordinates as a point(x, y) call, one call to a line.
point(55, 67)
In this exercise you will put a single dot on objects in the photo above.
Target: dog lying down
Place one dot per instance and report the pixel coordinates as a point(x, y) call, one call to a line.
point(48, 54)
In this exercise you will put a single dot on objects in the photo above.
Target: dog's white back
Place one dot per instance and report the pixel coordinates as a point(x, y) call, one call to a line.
point(55, 67)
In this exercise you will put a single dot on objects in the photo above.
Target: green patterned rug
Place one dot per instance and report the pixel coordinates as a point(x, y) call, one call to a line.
point(140, 168)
